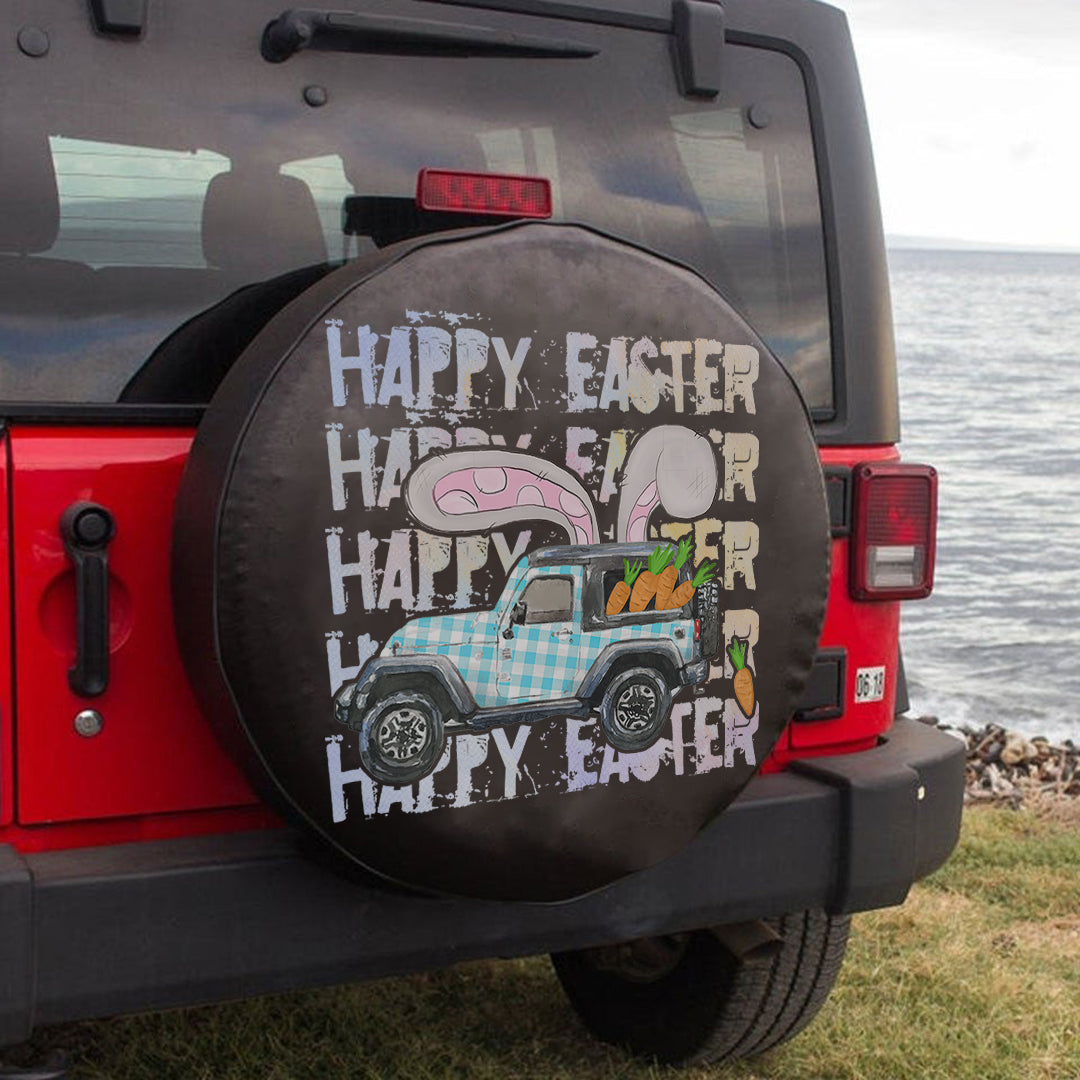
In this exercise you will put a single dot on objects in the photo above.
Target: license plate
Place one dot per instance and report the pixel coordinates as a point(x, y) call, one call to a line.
point(869, 684)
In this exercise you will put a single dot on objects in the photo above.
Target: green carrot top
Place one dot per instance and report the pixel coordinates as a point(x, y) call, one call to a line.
point(686, 545)
point(632, 571)
point(660, 558)
point(737, 651)
point(704, 572)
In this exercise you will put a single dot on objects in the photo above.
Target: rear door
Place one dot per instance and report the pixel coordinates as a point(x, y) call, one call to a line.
point(540, 661)
point(165, 193)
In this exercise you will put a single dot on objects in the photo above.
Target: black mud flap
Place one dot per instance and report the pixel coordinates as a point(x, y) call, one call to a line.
point(427, 511)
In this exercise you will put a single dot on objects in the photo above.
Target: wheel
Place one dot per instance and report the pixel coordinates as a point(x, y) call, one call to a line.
point(401, 738)
point(686, 999)
point(634, 708)
point(327, 481)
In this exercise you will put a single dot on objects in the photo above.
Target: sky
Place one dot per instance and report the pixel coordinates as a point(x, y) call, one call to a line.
point(974, 109)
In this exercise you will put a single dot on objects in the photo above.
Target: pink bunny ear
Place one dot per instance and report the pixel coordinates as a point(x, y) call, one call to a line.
point(670, 466)
point(474, 491)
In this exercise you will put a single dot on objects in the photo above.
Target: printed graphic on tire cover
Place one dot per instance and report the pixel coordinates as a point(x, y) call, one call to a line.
point(555, 643)
point(504, 557)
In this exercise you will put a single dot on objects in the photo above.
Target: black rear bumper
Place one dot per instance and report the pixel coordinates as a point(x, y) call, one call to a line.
point(99, 931)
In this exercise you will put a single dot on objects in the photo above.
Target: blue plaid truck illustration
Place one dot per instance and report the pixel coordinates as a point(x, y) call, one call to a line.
point(547, 648)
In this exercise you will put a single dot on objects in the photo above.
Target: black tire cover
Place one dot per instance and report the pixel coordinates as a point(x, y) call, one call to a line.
point(329, 504)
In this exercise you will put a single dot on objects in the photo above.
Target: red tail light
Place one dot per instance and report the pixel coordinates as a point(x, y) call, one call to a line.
point(894, 537)
point(697, 629)
point(484, 193)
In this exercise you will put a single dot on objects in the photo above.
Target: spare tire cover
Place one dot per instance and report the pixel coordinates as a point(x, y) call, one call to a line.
point(394, 460)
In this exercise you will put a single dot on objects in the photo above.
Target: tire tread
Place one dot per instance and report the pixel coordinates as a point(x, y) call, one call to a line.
point(757, 1005)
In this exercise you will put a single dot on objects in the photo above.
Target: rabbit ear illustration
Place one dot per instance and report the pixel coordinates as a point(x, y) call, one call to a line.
point(475, 491)
point(669, 466)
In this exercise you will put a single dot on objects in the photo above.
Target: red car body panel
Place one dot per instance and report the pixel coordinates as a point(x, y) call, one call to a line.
point(869, 632)
point(155, 770)
point(7, 712)
point(155, 753)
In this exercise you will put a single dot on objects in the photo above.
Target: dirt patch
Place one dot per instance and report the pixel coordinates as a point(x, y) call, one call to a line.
point(1055, 938)
point(1061, 809)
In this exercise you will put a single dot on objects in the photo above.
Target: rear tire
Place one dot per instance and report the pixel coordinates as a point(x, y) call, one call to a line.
point(684, 999)
point(635, 706)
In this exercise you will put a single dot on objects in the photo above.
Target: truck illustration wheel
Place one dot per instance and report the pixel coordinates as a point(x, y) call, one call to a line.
point(634, 708)
point(401, 738)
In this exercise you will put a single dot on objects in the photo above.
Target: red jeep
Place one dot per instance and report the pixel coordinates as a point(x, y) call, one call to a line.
point(314, 323)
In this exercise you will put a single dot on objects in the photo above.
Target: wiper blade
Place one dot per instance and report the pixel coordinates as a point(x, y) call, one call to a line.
point(343, 31)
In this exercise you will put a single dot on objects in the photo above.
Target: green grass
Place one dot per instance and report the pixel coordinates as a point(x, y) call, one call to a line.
point(976, 976)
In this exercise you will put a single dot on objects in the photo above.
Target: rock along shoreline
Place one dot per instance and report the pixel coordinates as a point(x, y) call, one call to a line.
point(1008, 767)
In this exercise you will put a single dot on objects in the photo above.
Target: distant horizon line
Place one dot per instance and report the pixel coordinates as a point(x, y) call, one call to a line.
point(901, 242)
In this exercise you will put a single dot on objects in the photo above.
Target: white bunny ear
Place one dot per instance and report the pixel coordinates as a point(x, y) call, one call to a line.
point(670, 466)
point(474, 491)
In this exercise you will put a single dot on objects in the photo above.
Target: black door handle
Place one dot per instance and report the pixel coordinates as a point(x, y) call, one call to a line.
point(87, 529)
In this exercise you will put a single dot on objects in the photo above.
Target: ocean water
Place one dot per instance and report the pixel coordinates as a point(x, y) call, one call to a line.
point(988, 347)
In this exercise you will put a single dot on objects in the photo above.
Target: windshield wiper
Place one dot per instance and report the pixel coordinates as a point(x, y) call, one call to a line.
point(344, 31)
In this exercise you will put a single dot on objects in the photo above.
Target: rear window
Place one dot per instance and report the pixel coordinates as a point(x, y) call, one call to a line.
point(155, 218)
point(614, 577)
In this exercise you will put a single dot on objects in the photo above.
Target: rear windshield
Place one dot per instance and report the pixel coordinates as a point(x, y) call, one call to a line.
point(162, 198)
point(612, 578)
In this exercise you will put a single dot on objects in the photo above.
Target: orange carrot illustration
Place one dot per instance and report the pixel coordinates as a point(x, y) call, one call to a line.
point(683, 593)
point(669, 578)
point(645, 586)
point(621, 593)
point(743, 682)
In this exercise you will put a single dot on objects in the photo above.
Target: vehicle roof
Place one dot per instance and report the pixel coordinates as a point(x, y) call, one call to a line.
point(587, 553)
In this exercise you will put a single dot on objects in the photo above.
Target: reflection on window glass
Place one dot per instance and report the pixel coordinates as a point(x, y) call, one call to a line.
point(161, 242)
point(727, 177)
point(131, 205)
point(757, 191)
point(524, 152)
point(325, 176)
